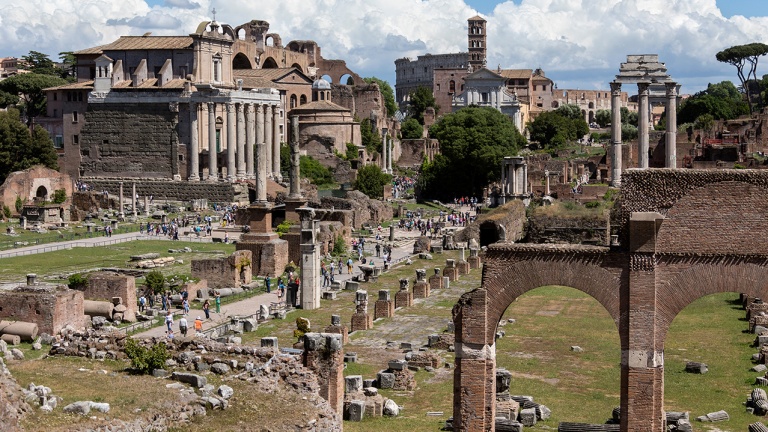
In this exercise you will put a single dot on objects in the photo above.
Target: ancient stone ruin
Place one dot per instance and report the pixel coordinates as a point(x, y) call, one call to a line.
point(403, 298)
point(233, 271)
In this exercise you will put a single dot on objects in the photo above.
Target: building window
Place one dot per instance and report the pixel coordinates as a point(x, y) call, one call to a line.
point(55, 113)
point(69, 96)
point(76, 139)
point(293, 101)
point(55, 95)
point(79, 96)
point(452, 86)
point(218, 140)
point(544, 87)
point(303, 99)
point(58, 141)
point(485, 97)
point(74, 116)
point(85, 152)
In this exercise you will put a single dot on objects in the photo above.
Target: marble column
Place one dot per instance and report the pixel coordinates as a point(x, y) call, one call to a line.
point(231, 141)
point(616, 133)
point(261, 157)
point(276, 143)
point(194, 143)
point(546, 181)
point(240, 141)
point(120, 203)
point(384, 149)
point(268, 139)
point(213, 171)
point(390, 146)
point(295, 189)
point(146, 205)
point(671, 135)
point(134, 201)
point(643, 93)
point(250, 140)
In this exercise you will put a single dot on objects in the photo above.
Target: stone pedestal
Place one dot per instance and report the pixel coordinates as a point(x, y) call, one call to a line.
point(474, 259)
point(436, 280)
point(270, 253)
point(450, 271)
point(324, 355)
point(421, 287)
point(462, 267)
point(310, 260)
point(403, 298)
point(361, 320)
point(384, 306)
point(337, 327)
point(291, 205)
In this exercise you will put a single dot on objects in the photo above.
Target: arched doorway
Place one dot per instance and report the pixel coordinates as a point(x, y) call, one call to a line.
point(41, 194)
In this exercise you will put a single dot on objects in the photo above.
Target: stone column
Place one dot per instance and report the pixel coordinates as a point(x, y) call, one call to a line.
point(671, 135)
point(146, 205)
point(268, 138)
point(134, 198)
point(295, 191)
point(261, 157)
point(276, 143)
point(213, 171)
point(643, 93)
point(250, 140)
point(384, 149)
point(310, 260)
point(390, 145)
point(616, 133)
point(194, 143)
point(546, 181)
point(231, 141)
point(120, 203)
point(240, 141)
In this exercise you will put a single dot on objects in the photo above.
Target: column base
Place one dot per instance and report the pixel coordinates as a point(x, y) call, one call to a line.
point(194, 178)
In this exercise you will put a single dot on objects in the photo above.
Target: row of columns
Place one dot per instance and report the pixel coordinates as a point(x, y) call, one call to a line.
point(248, 125)
point(643, 91)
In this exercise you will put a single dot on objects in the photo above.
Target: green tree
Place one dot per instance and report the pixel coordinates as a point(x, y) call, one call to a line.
point(20, 149)
point(551, 129)
point(386, 92)
point(59, 196)
point(155, 281)
point(339, 246)
point(421, 99)
point(741, 56)
point(30, 87)
point(77, 281)
point(411, 129)
point(145, 360)
point(285, 158)
point(603, 117)
point(316, 172)
point(371, 180)
point(369, 137)
point(704, 122)
point(40, 63)
point(68, 61)
point(351, 153)
point(473, 142)
point(7, 99)
point(722, 100)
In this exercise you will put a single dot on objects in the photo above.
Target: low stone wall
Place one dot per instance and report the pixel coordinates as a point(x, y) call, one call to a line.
point(104, 286)
point(50, 307)
point(214, 192)
point(581, 230)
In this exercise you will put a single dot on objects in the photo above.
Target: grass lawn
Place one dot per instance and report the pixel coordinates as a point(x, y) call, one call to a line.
point(75, 231)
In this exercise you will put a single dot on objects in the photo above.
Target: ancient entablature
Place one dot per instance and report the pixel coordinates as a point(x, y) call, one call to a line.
point(663, 263)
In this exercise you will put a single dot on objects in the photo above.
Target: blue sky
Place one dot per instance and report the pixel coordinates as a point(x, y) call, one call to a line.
point(578, 43)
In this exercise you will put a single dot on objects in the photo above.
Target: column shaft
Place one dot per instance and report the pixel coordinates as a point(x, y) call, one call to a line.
point(268, 139)
point(671, 135)
point(231, 141)
point(250, 140)
point(390, 146)
point(261, 157)
point(616, 133)
point(240, 141)
point(276, 143)
point(642, 124)
point(194, 143)
point(213, 172)
point(384, 149)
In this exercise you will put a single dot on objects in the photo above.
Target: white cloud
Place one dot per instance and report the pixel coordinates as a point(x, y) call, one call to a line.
point(579, 43)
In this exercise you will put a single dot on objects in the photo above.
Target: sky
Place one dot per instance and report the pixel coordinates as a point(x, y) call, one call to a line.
point(578, 43)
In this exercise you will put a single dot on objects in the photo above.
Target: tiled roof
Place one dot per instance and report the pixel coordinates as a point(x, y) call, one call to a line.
point(269, 74)
point(516, 73)
point(142, 43)
point(83, 85)
point(259, 82)
point(476, 18)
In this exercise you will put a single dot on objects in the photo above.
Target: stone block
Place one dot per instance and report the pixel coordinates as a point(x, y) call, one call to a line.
point(188, 378)
point(528, 417)
point(351, 286)
point(353, 383)
point(355, 410)
point(386, 380)
point(397, 365)
point(329, 295)
point(269, 342)
point(350, 357)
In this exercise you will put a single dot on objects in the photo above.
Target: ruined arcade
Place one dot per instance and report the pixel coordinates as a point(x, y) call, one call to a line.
point(661, 262)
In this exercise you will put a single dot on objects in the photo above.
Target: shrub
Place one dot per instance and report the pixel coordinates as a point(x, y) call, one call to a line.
point(339, 246)
point(283, 227)
point(316, 172)
point(155, 281)
point(371, 180)
point(145, 360)
point(352, 153)
point(302, 328)
point(59, 196)
point(19, 204)
point(7, 211)
point(592, 204)
point(77, 281)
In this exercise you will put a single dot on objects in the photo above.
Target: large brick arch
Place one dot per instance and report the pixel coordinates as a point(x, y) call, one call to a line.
point(581, 272)
point(687, 279)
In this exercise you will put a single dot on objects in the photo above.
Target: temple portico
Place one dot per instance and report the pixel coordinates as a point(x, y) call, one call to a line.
point(242, 124)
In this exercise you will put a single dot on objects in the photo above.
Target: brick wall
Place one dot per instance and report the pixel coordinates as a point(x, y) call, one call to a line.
point(228, 272)
point(51, 308)
point(104, 286)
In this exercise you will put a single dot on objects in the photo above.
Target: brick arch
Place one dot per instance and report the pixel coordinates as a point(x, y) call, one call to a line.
point(705, 276)
point(571, 271)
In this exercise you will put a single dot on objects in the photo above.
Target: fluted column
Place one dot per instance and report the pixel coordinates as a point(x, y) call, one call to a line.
point(250, 140)
point(671, 136)
point(276, 143)
point(268, 139)
point(194, 143)
point(384, 149)
point(213, 171)
point(261, 157)
point(642, 123)
point(616, 133)
point(231, 141)
point(240, 141)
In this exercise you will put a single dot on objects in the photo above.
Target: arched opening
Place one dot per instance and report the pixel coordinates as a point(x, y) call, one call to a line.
point(303, 99)
point(452, 86)
point(591, 105)
point(297, 66)
point(347, 79)
point(327, 78)
point(269, 41)
point(710, 330)
point(269, 63)
point(489, 233)
point(241, 62)
point(41, 193)
point(241, 34)
point(591, 117)
point(562, 349)
point(555, 104)
point(293, 101)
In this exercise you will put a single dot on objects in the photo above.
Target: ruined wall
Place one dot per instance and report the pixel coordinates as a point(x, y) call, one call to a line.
point(25, 184)
point(104, 286)
point(228, 272)
point(51, 308)
point(412, 151)
point(563, 229)
point(214, 192)
point(511, 215)
point(364, 209)
point(130, 140)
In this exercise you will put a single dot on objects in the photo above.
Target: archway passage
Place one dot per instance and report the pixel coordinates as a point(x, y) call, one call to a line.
point(269, 63)
point(489, 233)
point(241, 62)
point(41, 193)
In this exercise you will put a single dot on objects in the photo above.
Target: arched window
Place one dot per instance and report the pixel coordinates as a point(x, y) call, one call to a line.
point(293, 101)
point(452, 87)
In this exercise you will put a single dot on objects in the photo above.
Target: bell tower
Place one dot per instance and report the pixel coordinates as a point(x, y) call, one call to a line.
point(476, 42)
